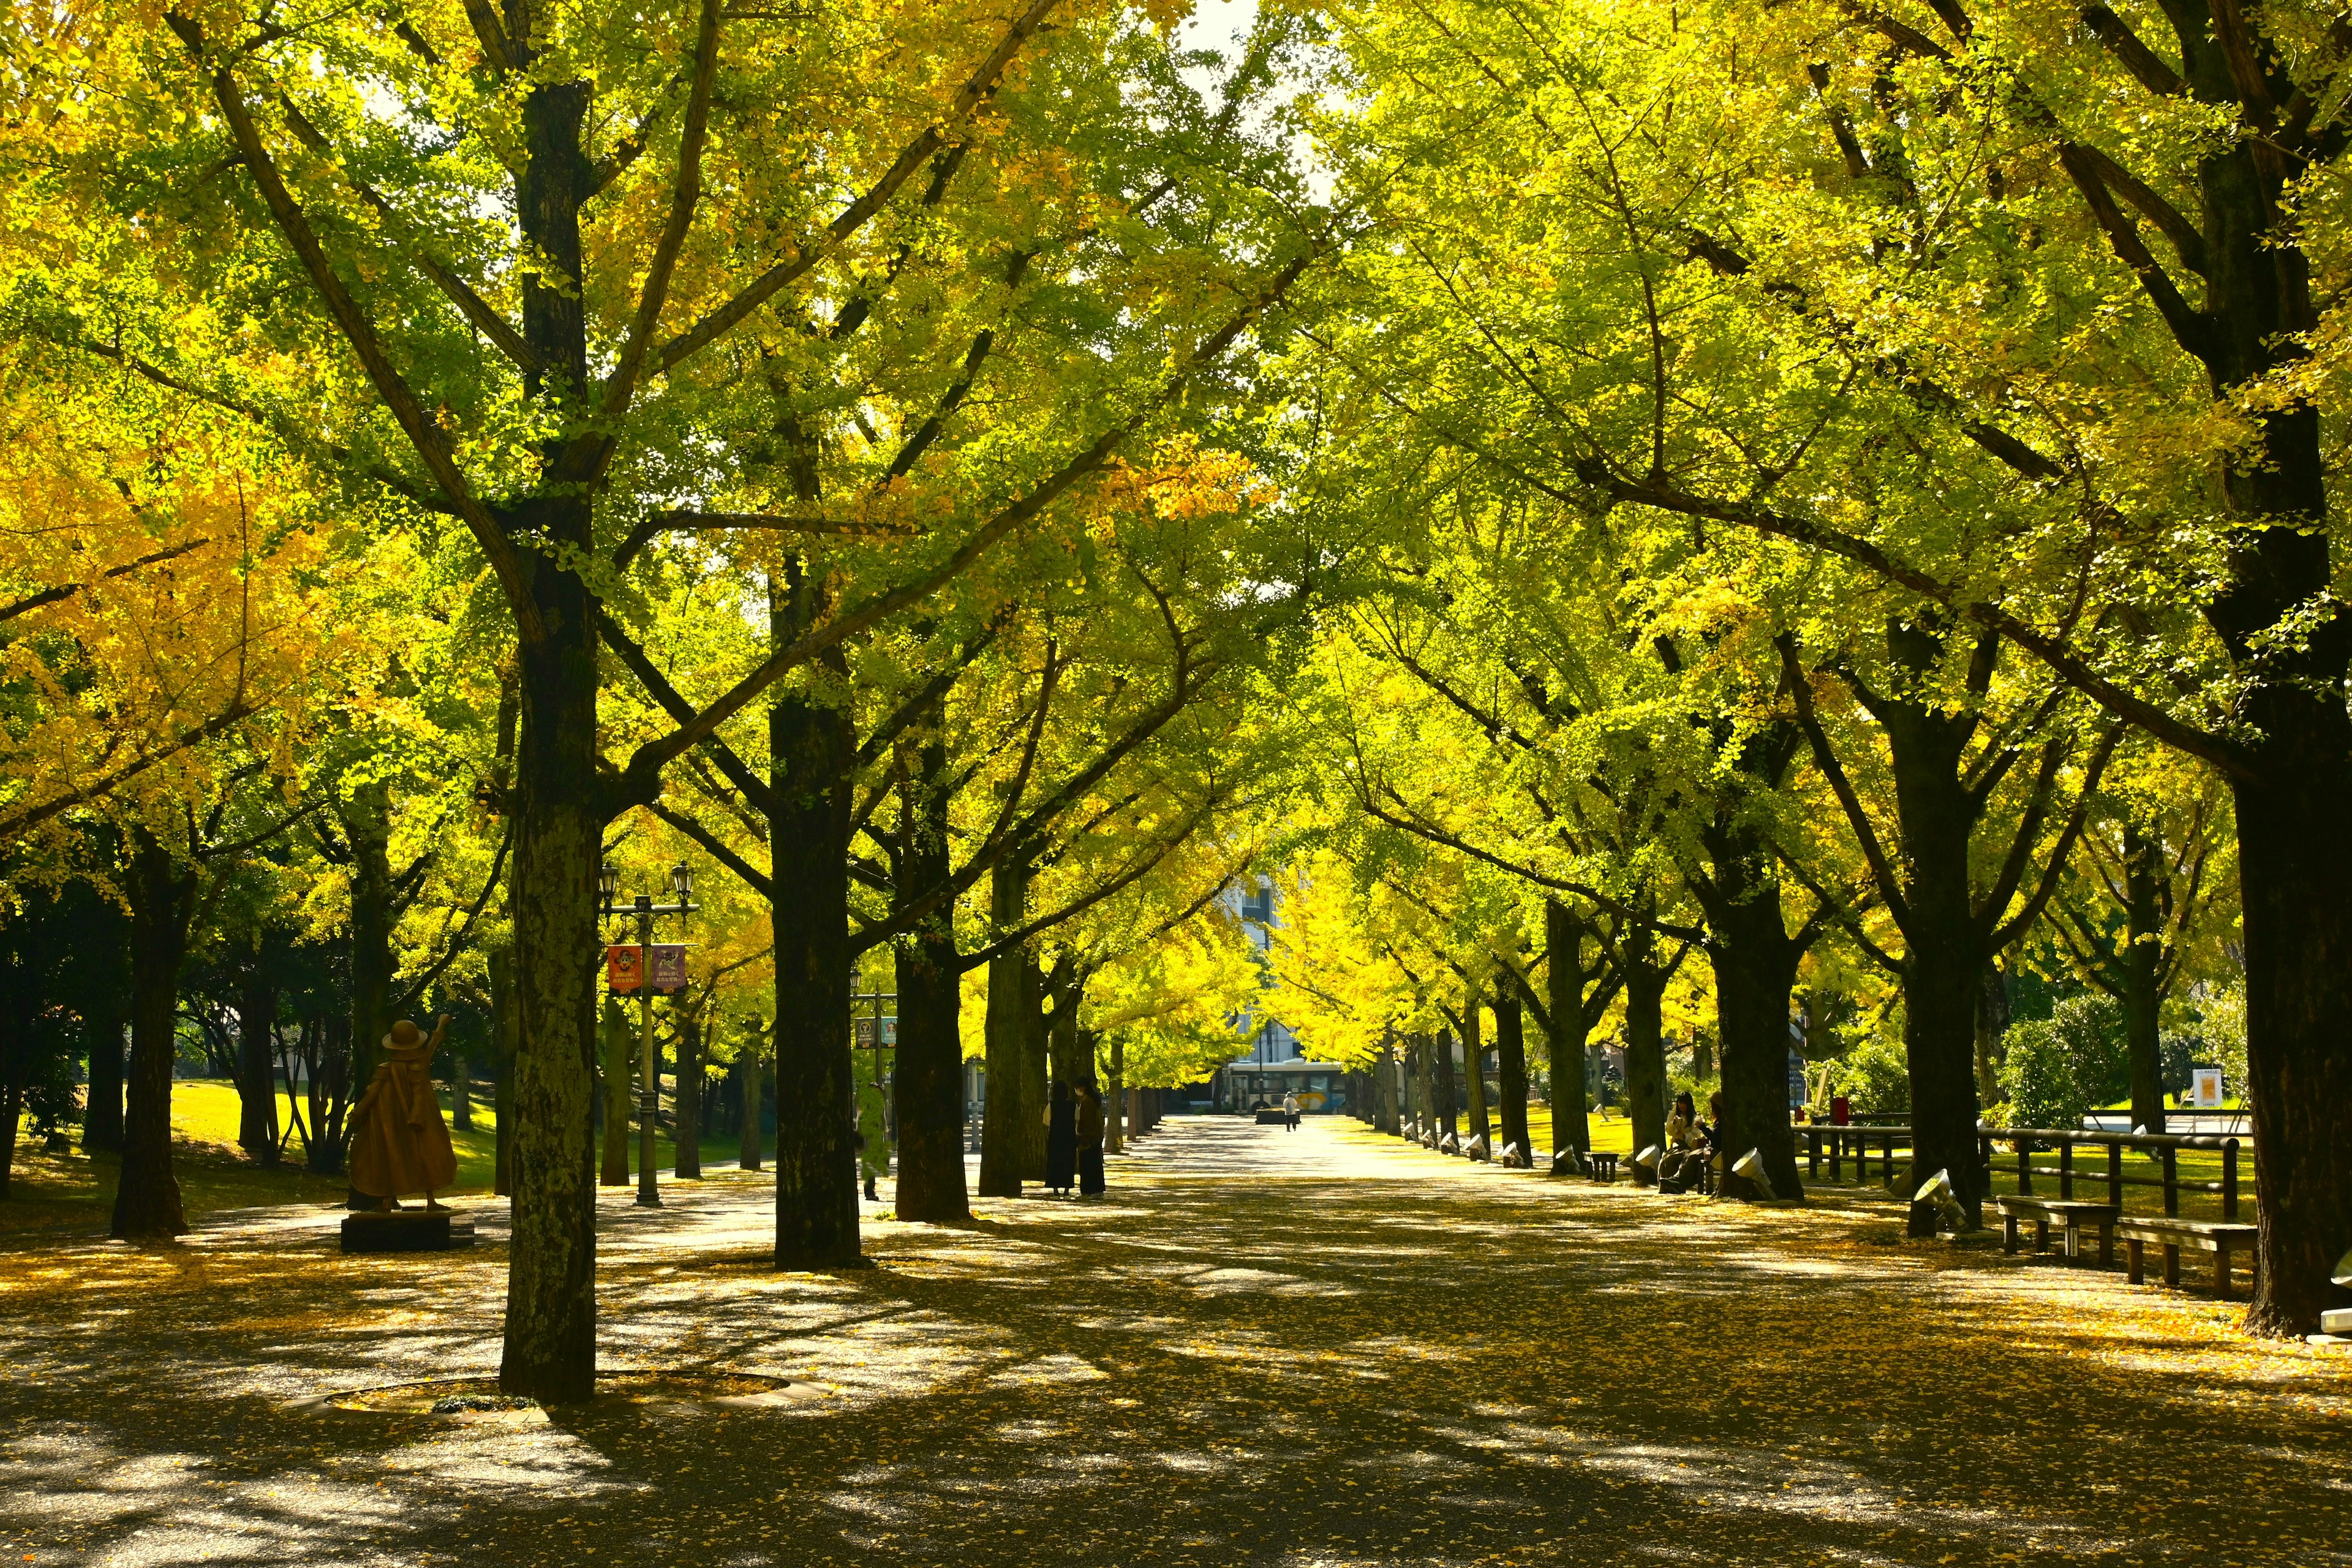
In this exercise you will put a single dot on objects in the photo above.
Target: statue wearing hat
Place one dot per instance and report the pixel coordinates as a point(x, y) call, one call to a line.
point(398, 1142)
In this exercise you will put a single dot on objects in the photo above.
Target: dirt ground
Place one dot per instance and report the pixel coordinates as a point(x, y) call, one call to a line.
point(1318, 1347)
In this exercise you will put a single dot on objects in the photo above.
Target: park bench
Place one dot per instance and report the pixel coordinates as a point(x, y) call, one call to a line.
point(1273, 1119)
point(2071, 1216)
point(2219, 1238)
point(1604, 1166)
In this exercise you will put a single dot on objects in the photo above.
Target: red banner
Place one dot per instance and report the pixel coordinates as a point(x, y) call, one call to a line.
point(624, 967)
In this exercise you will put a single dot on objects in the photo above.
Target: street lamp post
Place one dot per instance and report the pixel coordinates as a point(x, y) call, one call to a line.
point(681, 882)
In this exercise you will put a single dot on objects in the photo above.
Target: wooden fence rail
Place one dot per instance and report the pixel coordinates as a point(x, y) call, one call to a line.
point(1833, 1145)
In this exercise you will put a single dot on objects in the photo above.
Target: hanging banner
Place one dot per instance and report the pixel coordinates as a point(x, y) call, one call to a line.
point(625, 968)
point(864, 1029)
point(666, 976)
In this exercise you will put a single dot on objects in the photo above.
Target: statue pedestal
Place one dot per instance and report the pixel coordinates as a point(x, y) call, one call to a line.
point(407, 1230)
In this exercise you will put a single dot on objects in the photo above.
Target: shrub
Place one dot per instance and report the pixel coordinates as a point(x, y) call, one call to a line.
point(2054, 1069)
point(1874, 1076)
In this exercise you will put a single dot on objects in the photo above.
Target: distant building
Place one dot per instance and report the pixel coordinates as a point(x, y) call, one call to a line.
point(1251, 901)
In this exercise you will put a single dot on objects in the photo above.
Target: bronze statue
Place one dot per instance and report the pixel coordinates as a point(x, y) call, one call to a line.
point(398, 1142)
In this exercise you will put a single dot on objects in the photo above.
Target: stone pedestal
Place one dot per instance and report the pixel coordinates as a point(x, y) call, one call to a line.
point(407, 1230)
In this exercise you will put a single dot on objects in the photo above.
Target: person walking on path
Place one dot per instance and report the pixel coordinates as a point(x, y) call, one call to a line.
point(1061, 1140)
point(1290, 1111)
point(1090, 1139)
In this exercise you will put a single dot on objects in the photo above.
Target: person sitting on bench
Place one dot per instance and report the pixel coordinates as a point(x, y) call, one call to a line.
point(1689, 1143)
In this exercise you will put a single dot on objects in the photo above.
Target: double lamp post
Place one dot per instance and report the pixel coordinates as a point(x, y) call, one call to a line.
point(681, 883)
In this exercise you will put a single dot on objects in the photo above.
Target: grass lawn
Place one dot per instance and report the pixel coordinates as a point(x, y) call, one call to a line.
point(75, 1191)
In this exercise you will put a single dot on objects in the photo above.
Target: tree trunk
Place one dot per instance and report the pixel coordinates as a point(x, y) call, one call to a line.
point(1115, 1101)
point(1564, 988)
point(162, 896)
point(813, 754)
point(1646, 1046)
point(1442, 1084)
point(1755, 963)
point(1417, 1079)
point(1385, 1116)
point(101, 1111)
point(1511, 1064)
point(751, 1079)
point(2143, 958)
point(1992, 1024)
point(367, 822)
point(1474, 1068)
point(1004, 1135)
point(549, 1350)
point(1034, 1065)
point(461, 1093)
point(689, 1097)
point(2294, 846)
point(614, 1087)
point(257, 1065)
point(930, 1045)
point(503, 1029)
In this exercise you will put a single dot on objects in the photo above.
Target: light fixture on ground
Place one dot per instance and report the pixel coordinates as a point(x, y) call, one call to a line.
point(1751, 1166)
point(1937, 1194)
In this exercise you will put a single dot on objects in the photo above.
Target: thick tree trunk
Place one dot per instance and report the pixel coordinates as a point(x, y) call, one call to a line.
point(1420, 1080)
point(2294, 846)
point(1564, 987)
point(1034, 1066)
point(1441, 1085)
point(1115, 1101)
point(1474, 1068)
point(162, 894)
point(813, 756)
point(1755, 963)
point(1385, 1118)
point(2143, 960)
point(257, 1062)
point(1992, 1024)
point(1645, 1044)
point(367, 823)
point(751, 1084)
point(689, 1097)
point(930, 1047)
point(1511, 1065)
point(549, 1351)
point(503, 1031)
point(101, 1110)
point(1003, 1139)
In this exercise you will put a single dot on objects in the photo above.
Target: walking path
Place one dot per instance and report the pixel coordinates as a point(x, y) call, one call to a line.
point(1263, 1347)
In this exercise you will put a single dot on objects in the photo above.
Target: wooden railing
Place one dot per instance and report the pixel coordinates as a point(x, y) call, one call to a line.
point(2164, 1146)
point(1833, 1145)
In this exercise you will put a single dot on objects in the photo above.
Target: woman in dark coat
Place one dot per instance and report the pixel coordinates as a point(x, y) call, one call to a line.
point(1090, 1139)
point(1061, 1140)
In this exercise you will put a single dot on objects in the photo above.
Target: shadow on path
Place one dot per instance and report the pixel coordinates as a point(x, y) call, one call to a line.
point(1262, 1347)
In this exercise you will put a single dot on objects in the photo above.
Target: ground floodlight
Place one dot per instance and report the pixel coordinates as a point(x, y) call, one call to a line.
point(1648, 1158)
point(2342, 1275)
point(1751, 1166)
point(2140, 1131)
point(1939, 1193)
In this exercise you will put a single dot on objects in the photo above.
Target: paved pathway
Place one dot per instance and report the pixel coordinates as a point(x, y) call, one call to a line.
point(1264, 1347)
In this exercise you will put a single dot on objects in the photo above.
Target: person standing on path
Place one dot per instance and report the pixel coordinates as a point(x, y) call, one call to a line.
point(1061, 1140)
point(1290, 1111)
point(1090, 1139)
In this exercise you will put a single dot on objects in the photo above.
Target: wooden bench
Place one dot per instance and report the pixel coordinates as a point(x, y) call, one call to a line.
point(2071, 1216)
point(1604, 1166)
point(2219, 1238)
point(1272, 1118)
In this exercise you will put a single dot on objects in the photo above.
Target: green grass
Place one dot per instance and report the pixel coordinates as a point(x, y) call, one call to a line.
point(76, 1190)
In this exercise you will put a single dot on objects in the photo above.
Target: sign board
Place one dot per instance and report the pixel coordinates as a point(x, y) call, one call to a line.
point(865, 1031)
point(666, 976)
point(625, 968)
point(1796, 1081)
point(2205, 1088)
